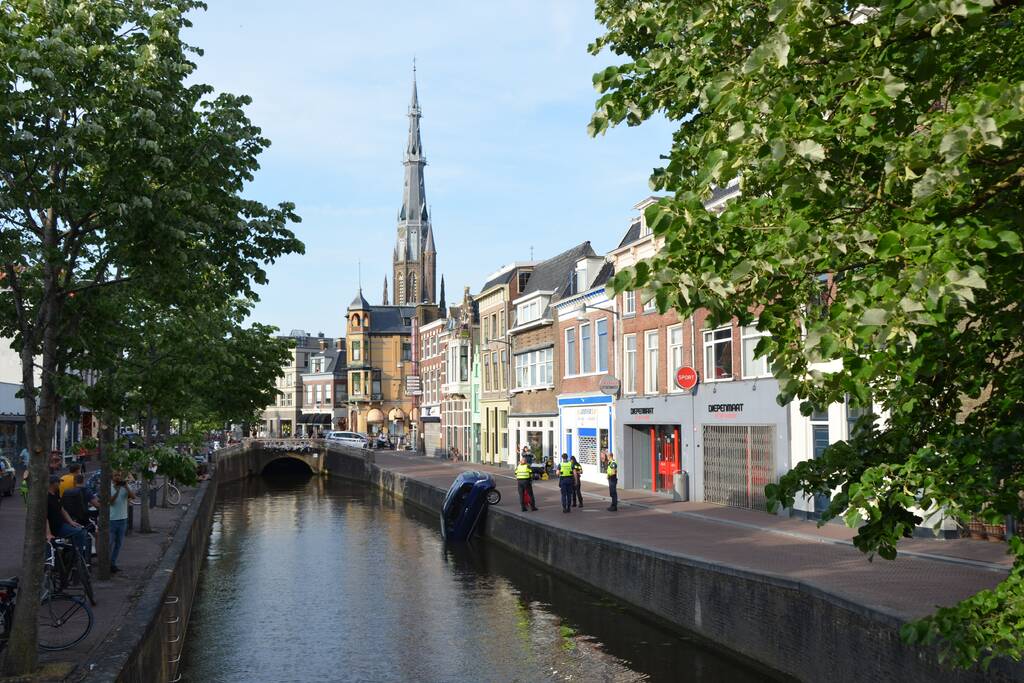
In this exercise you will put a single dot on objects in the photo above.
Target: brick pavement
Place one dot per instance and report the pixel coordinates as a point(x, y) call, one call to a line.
point(929, 573)
point(115, 597)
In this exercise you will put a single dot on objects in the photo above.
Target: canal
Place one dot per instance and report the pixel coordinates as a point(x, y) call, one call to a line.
point(310, 579)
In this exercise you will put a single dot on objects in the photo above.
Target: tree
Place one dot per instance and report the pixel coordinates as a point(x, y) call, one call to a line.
point(113, 171)
point(879, 151)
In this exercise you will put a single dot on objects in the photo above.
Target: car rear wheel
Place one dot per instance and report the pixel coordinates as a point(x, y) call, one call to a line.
point(493, 497)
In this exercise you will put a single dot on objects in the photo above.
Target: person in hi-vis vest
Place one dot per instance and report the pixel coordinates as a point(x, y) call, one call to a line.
point(565, 481)
point(613, 482)
point(524, 482)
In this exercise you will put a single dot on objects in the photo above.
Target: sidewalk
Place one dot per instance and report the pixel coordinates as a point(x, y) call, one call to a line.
point(114, 598)
point(926, 574)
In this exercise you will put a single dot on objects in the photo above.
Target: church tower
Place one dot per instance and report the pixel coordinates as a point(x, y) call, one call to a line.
point(415, 259)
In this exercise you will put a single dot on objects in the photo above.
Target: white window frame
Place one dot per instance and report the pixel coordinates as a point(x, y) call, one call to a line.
point(629, 303)
point(602, 360)
point(327, 393)
point(586, 349)
point(750, 334)
point(535, 369)
point(317, 396)
point(651, 305)
point(674, 357)
point(309, 394)
point(570, 352)
point(651, 369)
point(629, 365)
point(709, 346)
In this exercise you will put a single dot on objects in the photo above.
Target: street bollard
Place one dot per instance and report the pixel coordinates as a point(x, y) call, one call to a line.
point(681, 486)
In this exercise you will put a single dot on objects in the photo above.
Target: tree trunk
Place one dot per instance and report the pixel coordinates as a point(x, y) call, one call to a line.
point(41, 405)
point(145, 525)
point(107, 440)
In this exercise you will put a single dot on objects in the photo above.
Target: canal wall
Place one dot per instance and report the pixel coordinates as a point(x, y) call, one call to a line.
point(145, 647)
point(785, 625)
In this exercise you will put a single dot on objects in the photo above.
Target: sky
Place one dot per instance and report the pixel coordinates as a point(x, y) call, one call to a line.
point(506, 93)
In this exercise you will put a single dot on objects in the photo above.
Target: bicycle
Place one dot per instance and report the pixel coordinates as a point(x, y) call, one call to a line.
point(63, 620)
point(173, 492)
point(65, 567)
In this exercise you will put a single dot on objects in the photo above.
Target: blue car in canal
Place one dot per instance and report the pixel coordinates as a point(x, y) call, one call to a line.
point(465, 504)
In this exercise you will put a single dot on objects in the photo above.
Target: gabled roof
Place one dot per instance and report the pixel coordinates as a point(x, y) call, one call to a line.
point(555, 274)
point(359, 303)
point(632, 234)
point(391, 319)
point(500, 279)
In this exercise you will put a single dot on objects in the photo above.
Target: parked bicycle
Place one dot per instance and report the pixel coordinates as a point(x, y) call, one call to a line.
point(173, 492)
point(63, 620)
point(66, 570)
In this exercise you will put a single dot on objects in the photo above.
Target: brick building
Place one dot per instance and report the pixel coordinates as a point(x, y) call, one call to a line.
point(496, 315)
point(431, 345)
point(533, 409)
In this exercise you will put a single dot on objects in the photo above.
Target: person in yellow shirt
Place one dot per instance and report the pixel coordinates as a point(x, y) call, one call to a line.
point(524, 482)
point(68, 480)
point(565, 481)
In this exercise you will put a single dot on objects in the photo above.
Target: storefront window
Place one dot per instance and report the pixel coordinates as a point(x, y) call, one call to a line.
point(718, 354)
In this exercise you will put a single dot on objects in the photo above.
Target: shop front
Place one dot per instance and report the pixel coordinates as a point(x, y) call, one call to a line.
point(537, 432)
point(731, 439)
point(585, 425)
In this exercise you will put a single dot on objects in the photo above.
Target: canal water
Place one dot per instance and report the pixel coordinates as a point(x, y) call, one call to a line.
point(310, 579)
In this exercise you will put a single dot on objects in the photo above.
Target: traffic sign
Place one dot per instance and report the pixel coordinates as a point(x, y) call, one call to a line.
point(686, 377)
point(608, 385)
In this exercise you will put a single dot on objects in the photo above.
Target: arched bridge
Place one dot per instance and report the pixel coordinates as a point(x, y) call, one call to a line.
point(253, 456)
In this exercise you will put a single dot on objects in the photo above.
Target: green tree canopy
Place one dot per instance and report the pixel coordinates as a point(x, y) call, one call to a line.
point(114, 172)
point(878, 239)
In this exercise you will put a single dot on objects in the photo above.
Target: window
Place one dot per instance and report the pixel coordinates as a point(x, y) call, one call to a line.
point(309, 395)
point(535, 369)
point(602, 345)
point(412, 289)
point(463, 363)
point(586, 349)
point(406, 351)
point(317, 364)
point(852, 415)
point(376, 382)
point(487, 371)
point(820, 439)
point(718, 354)
point(528, 312)
point(753, 366)
point(523, 279)
point(651, 305)
point(357, 383)
point(504, 368)
point(629, 303)
point(570, 352)
point(317, 396)
point(327, 393)
point(651, 362)
point(501, 325)
point(357, 351)
point(675, 355)
point(629, 364)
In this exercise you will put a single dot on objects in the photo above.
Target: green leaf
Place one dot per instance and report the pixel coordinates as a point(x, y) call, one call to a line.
point(810, 150)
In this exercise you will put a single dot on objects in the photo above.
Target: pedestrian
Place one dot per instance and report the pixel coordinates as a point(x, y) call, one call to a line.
point(56, 462)
point(68, 480)
point(528, 454)
point(76, 501)
point(120, 494)
point(577, 482)
point(524, 482)
point(58, 522)
point(23, 461)
point(613, 481)
point(565, 482)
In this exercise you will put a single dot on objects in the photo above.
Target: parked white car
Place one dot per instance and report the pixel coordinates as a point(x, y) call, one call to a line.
point(353, 439)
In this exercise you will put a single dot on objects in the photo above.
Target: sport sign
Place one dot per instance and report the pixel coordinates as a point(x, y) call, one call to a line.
point(686, 377)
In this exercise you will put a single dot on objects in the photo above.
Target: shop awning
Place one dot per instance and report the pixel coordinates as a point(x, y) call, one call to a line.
point(374, 416)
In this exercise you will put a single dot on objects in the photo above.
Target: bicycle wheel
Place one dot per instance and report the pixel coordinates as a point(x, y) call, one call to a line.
point(173, 494)
point(63, 621)
point(81, 571)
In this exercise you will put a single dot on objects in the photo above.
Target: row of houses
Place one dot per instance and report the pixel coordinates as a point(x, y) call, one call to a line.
point(545, 357)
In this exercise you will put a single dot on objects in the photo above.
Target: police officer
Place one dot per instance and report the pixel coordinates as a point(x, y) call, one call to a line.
point(524, 481)
point(565, 481)
point(613, 482)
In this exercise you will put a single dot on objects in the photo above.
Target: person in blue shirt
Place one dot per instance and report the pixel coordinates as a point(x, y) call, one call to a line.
point(120, 494)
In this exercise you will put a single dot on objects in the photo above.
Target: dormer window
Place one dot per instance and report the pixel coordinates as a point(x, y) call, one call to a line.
point(528, 312)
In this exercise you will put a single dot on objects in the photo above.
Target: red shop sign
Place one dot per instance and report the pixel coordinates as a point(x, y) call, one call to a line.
point(686, 377)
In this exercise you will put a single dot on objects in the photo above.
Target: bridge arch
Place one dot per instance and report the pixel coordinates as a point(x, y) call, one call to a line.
point(288, 463)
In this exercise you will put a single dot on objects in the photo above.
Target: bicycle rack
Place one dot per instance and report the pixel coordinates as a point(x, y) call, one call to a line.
point(174, 644)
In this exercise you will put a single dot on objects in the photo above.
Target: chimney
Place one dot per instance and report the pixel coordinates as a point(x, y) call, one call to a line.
point(323, 343)
point(340, 344)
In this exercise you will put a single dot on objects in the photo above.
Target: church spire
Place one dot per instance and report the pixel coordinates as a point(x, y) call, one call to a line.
point(415, 257)
point(385, 301)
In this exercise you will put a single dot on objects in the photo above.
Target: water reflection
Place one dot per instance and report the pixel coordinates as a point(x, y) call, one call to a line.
point(322, 580)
